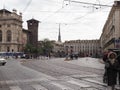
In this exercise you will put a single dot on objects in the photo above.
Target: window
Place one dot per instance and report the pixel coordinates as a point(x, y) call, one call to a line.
point(0, 36)
point(8, 49)
point(30, 23)
point(9, 36)
point(8, 25)
point(0, 49)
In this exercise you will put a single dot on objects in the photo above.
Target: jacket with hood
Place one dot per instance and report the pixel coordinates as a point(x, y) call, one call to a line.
point(111, 67)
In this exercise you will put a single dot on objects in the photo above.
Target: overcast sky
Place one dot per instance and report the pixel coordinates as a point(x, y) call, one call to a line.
point(78, 21)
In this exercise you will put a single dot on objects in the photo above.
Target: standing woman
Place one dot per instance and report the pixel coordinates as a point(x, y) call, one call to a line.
point(111, 65)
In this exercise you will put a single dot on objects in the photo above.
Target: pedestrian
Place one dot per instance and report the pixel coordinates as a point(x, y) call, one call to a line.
point(105, 55)
point(105, 58)
point(111, 70)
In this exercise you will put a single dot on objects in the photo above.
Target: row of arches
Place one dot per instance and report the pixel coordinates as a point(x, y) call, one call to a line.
point(8, 36)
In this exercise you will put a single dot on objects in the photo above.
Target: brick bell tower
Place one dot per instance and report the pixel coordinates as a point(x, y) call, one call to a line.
point(33, 35)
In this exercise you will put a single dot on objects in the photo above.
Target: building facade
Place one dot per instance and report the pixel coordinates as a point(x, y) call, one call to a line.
point(25, 37)
point(13, 38)
point(10, 31)
point(82, 47)
point(58, 49)
point(110, 37)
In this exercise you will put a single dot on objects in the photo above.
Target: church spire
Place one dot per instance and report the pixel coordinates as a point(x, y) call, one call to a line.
point(59, 36)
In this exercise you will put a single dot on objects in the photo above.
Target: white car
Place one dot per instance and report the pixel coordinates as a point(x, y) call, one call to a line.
point(3, 61)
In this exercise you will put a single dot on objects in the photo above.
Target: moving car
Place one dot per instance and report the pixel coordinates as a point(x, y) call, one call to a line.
point(3, 61)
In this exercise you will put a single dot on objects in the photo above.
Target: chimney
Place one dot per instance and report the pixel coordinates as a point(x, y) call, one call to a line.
point(20, 14)
point(14, 11)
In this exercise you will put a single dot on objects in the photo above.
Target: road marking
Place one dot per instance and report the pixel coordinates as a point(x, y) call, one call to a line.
point(38, 87)
point(86, 76)
point(94, 81)
point(79, 84)
point(15, 88)
point(8, 82)
point(61, 86)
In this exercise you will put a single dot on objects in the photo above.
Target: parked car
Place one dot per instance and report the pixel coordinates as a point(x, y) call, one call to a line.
point(3, 61)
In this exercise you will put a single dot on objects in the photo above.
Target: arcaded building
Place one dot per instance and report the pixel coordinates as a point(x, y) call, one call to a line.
point(83, 47)
point(110, 37)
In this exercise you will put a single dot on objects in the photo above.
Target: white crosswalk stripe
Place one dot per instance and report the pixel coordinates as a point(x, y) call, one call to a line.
point(94, 81)
point(15, 88)
point(72, 84)
point(82, 85)
point(38, 87)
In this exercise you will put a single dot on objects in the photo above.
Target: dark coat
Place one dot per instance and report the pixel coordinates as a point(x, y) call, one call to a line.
point(111, 71)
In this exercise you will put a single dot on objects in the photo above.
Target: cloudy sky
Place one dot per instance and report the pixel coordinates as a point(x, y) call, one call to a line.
point(77, 20)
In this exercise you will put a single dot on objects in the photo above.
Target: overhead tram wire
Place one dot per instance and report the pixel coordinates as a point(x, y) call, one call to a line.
point(86, 13)
point(28, 4)
point(69, 3)
point(89, 3)
point(99, 3)
point(54, 12)
point(58, 10)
